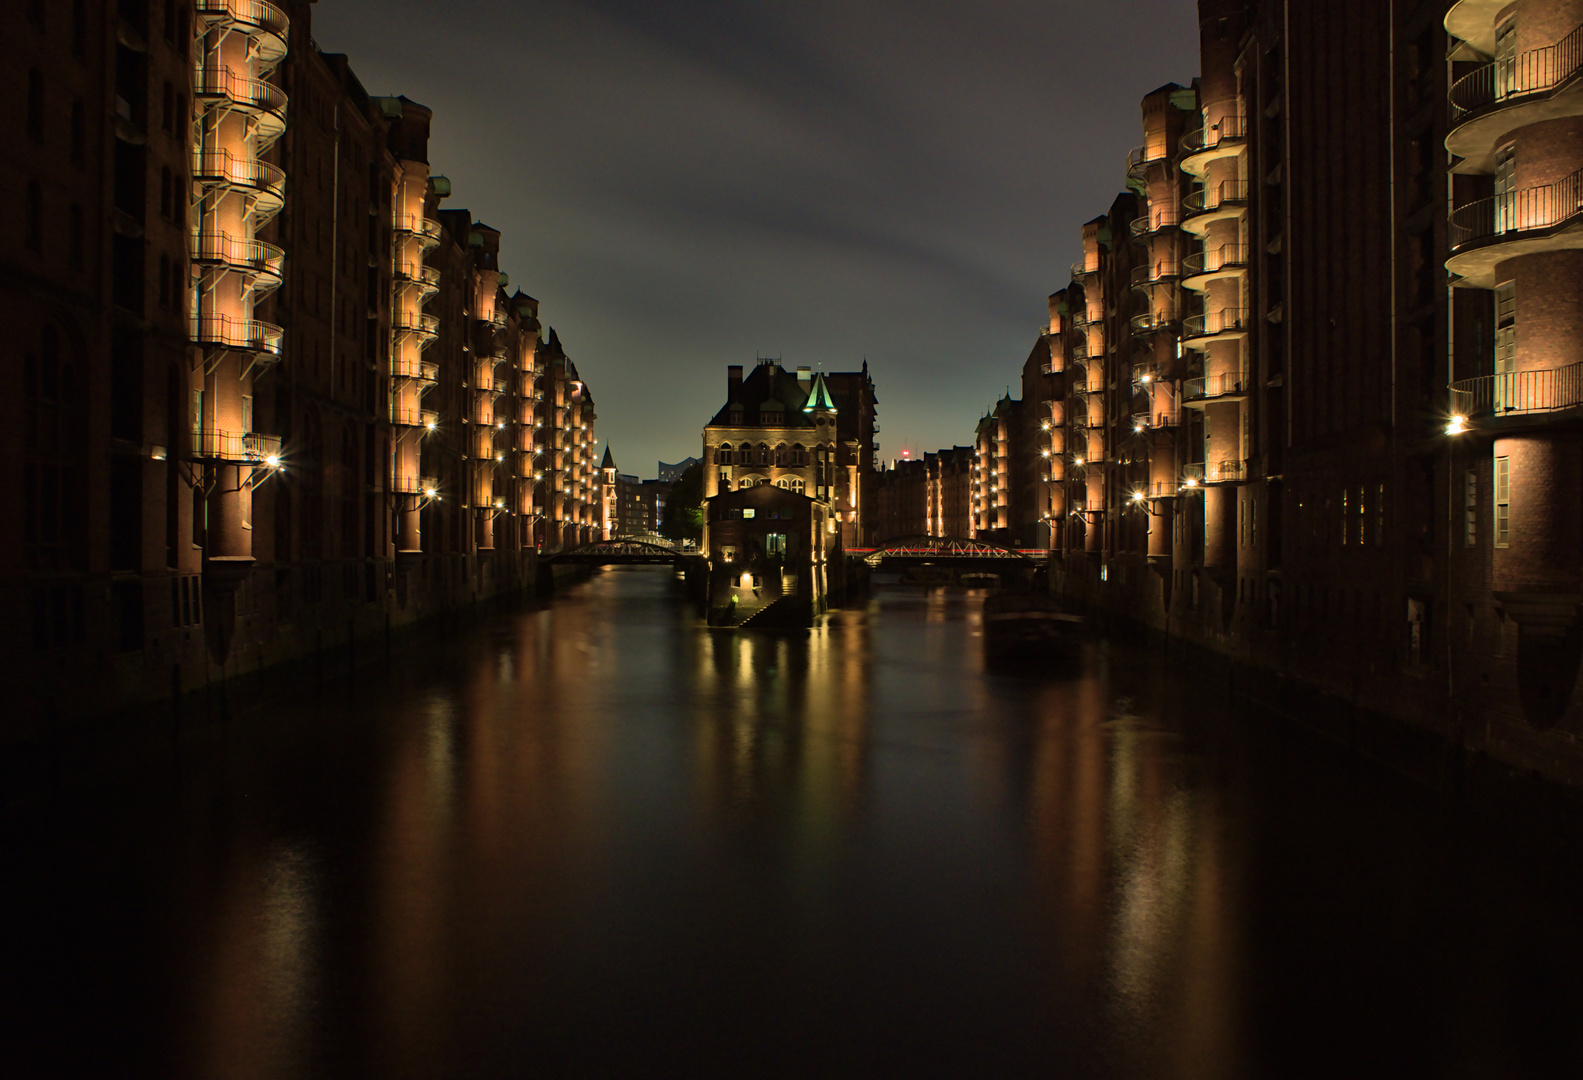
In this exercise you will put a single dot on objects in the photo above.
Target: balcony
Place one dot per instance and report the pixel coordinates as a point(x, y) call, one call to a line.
point(1214, 472)
point(1211, 388)
point(1488, 231)
point(1223, 202)
point(426, 279)
point(236, 447)
point(1158, 272)
point(415, 485)
point(425, 230)
point(262, 21)
point(258, 179)
point(264, 103)
point(1151, 322)
point(1081, 269)
point(1519, 393)
point(1222, 261)
point(1219, 140)
point(1199, 330)
point(425, 327)
point(1156, 220)
point(1511, 93)
point(1140, 159)
point(262, 339)
point(263, 261)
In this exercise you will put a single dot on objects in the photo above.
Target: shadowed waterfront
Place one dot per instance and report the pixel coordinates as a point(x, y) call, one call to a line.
point(596, 835)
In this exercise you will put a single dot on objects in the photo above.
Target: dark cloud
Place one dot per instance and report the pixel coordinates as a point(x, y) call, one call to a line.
point(685, 186)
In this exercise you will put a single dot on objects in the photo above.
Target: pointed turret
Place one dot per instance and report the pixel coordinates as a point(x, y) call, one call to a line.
point(610, 459)
point(819, 395)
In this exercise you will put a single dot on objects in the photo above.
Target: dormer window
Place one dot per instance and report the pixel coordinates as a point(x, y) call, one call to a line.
point(735, 418)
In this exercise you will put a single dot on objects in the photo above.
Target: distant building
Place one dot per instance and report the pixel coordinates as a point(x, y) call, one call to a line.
point(768, 546)
point(808, 433)
point(669, 474)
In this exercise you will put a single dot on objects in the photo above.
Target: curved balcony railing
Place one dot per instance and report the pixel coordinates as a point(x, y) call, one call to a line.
point(1214, 472)
point(1079, 352)
point(243, 335)
point(1509, 216)
point(244, 256)
point(265, 22)
point(423, 418)
point(1508, 81)
point(1209, 387)
point(421, 370)
point(1155, 272)
point(224, 84)
point(414, 485)
point(425, 326)
point(424, 228)
point(1139, 158)
point(1227, 193)
point(1213, 260)
point(224, 167)
point(1231, 128)
point(1519, 392)
point(1081, 269)
point(1151, 322)
point(426, 278)
point(1156, 220)
point(1209, 324)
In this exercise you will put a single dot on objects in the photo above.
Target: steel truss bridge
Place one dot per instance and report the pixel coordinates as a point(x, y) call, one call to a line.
point(623, 550)
point(943, 549)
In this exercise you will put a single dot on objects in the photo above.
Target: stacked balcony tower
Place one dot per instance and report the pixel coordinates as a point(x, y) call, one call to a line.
point(1516, 259)
point(414, 234)
point(240, 115)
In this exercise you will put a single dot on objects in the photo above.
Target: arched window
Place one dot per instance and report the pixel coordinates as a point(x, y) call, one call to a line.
point(782, 458)
point(723, 455)
point(797, 485)
point(782, 483)
point(764, 454)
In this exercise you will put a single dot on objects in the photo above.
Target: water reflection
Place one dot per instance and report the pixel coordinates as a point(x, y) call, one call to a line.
point(597, 836)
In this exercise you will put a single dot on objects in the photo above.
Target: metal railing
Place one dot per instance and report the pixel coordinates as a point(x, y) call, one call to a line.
point(1215, 472)
point(423, 227)
point(244, 335)
point(1530, 210)
point(1162, 217)
point(1508, 80)
point(414, 485)
point(240, 90)
point(255, 256)
point(240, 446)
point(1155, 272)
point(1139, 158)
point(1211, 323)
point(1207, 200)
point(1230, 128)
point(1151, 322)
point(407, 323)
point(1519, 392)
point(426, 276)
point(1207, 387)
point(257, 14)
point(1213, 260)
point(224, 167)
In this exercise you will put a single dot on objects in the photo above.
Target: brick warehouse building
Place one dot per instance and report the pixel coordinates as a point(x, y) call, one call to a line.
point(1253, 439)
point(275, 398)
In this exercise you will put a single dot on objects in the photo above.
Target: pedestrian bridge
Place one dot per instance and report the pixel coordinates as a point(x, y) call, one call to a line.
point(622, 550)
point(957, 550)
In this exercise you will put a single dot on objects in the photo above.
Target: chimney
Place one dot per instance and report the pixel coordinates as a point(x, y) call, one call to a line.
point(733, 381)
point(804, 376)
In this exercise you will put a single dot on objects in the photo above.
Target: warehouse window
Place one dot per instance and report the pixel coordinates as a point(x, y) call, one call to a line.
point(1503, 489)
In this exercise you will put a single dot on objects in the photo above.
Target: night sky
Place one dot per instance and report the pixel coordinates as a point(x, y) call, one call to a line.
point(686, 186)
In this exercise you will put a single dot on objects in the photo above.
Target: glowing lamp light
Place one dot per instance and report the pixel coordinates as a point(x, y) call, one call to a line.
point(273, 461)
point(430, 492)
point(1044, 453)
point(1146, 378)
point(1077, 461)
point(1138, 497)
point(500, 424)
point(430, 425)
point(1456, 425)
point(1138, 428)
point(1191, 482)
point(500, 457)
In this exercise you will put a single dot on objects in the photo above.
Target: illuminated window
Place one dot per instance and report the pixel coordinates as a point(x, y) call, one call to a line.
point(1503, 497)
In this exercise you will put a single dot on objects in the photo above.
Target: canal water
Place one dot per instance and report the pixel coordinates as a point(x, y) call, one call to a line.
point(595, 838)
